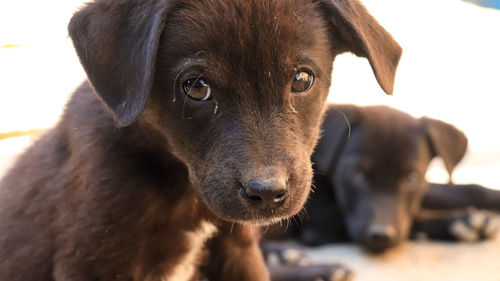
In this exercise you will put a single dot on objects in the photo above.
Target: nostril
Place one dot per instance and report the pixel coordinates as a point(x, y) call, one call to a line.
point(279, 196)
point(265, 191)
point(249, 195)
point(254, 198)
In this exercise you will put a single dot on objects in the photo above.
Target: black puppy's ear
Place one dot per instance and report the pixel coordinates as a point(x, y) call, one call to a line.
point(361, 34)
point(336, 129)
point(445, 141)
point(117, 42)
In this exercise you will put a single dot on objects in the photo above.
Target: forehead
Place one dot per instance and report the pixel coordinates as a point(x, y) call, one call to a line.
point(246, 33)
point(396, 144)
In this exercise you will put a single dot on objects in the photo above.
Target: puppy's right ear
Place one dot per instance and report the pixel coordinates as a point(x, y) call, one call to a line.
point(117, 42)
point(336, 129)
point(358, 32)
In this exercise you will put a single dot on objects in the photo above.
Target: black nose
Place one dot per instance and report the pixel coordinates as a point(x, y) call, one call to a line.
point(265, 192)
point(380, 237)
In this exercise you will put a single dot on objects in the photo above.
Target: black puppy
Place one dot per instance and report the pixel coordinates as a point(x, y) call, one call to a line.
point(371, 187)
point(197, 124)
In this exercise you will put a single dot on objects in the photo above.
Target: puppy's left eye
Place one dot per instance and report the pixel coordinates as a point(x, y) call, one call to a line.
point(197, 89)
point(302, 80)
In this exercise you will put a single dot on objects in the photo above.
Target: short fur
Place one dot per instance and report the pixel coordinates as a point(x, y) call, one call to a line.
point(138, 181)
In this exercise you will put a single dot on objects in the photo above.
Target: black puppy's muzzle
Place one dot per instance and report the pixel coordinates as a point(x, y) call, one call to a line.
point(265, 194)
point(379, 237)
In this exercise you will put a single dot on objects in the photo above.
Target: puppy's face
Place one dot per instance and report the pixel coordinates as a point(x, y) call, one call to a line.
point(240, 91)
point(377, 166)
point(380, 183)
point(236, 87)
point(380, 176)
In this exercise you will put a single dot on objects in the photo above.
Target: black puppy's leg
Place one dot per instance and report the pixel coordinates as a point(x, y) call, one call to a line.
point(314, 272)
point(459, 196)
point(288, 261)
point(455, 225)
point(283, 252)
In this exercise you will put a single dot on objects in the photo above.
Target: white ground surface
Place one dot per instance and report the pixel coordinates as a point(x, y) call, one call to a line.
point(450, 70)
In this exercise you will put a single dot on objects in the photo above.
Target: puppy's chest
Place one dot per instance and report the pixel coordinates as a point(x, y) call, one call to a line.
point(195, 242)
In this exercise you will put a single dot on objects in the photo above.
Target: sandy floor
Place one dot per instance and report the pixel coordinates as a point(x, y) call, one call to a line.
point(449, 71)
point(417, 261)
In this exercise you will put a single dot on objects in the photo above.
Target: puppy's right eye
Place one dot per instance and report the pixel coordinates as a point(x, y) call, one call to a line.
point(197, 89)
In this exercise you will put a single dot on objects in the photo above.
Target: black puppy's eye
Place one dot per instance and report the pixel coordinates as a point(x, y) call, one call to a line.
point(302, 80)
point(197, 89)
point(354, 171)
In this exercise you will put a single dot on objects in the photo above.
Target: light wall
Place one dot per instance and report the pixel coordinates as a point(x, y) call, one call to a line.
point(450, 70)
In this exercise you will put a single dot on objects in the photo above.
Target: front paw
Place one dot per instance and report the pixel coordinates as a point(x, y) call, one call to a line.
point(289, 262)
point(475, 225)
point(320, 272)
point(287, 256)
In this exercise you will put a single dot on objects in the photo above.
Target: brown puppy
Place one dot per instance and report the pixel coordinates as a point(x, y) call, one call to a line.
point(198, 122)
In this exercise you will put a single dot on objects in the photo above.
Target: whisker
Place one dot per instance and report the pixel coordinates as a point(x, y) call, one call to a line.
point(232, 226)
point(175, 86)
point(184, 106)
point(197, 79)
point(295, 220)
point(267, 228)
point(346, 120)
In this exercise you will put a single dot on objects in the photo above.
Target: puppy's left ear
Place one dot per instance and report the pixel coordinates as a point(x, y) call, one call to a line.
point(445, 141)
point(358, 32)
point(117, 42)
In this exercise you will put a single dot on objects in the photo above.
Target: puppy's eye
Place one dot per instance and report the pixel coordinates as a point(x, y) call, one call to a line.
point(197, 89)
point(354, 171)
point(302, 80)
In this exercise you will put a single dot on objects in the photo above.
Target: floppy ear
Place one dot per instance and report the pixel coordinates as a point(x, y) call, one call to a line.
point(336, 129)
point(117, 42)
point(361, 34)
point(445, 141)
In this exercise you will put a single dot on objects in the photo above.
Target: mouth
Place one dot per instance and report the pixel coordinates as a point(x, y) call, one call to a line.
point(262, 221)
point(256, 210)
point(254, 215)
point(378, 247)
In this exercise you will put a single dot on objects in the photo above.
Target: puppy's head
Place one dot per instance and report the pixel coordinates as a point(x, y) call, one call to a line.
point(236, 87)
point(379, 171)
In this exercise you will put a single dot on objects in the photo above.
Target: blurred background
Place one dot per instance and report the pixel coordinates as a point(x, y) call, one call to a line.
point(450, 70)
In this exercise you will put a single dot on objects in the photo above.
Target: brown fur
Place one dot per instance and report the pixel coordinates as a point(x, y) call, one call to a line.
point(136, 176)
